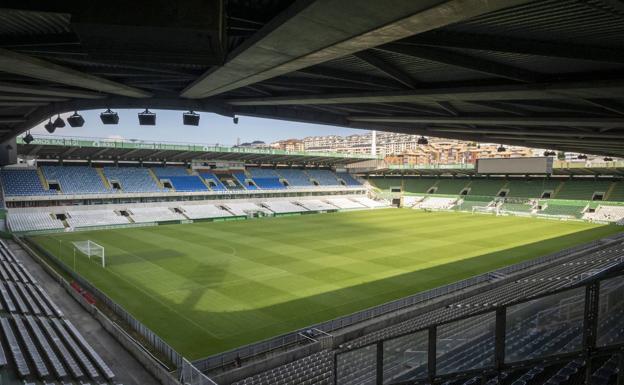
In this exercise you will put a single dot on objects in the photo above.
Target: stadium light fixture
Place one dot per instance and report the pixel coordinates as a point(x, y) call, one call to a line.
point(422, 140)
point(58, 122)
point(147, 118)
point(582, 156)
point(28, 138)
point(190, 118)
point(235, 119)
point(76, 120)
point(607, 159)
point(501, 148)
point(50, 127)
point(109, 117)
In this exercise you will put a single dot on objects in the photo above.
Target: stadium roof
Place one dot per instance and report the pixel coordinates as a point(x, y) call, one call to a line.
point(545, 73)
point(134, 150)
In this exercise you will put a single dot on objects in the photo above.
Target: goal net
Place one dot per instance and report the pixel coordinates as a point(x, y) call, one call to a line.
point(91, 249)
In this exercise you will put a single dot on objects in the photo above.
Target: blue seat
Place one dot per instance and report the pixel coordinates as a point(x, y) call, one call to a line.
point(269, 183)
point(75, 179)
point(132, 179)
point(22, 182)
point(187, 183)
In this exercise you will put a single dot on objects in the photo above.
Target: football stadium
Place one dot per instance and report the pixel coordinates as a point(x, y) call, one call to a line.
point(133, 261)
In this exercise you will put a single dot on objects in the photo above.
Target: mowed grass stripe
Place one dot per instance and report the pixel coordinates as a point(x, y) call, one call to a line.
point(209, 287)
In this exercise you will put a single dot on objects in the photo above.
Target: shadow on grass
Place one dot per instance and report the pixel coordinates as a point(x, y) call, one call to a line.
point(197, 332)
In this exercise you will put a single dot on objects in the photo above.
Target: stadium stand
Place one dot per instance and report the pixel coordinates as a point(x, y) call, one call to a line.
point(87, 218)
point(169, 171)
point(417, 185)
point(516, 207)
point(213, 181)
point(38, 344)
point(531, 188)
point(270, 183)
point(29, 221)
point(451, 186)
point(244, 180)
point(283, 207)
point(371, 203)
point(605, 213)
point(75, 179)
point(204, 211)
point(486, 187)
point(566, 210)
point(411, 200)
point(315, 205)
point(154, 214)
point(437, 203)
point(468, 202)
point(186, 183)
point(344, 203)
point(296, 178)
point(132, 179)
point(22, 182)
point(323, 177)
point(256, 172)
point(348, 179)
point(617, 192)
point(386, 184)
point(582, 189)
point(243, 208)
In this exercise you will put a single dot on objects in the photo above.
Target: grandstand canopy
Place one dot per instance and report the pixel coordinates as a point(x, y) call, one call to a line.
point(545, 73)
point(128, 150)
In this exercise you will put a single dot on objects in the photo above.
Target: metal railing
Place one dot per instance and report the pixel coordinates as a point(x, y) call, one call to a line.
point(501, 338)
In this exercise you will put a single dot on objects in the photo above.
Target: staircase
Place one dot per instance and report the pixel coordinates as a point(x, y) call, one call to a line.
point(609, 191)
point(43, 180)
point(158, 182)
point(554, 195)
point(104, 178)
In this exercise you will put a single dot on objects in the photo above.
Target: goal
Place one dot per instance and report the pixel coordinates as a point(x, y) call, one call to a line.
point(91, 249)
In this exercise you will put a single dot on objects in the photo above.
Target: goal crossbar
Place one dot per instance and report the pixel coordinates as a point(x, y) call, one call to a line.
point(90, 248)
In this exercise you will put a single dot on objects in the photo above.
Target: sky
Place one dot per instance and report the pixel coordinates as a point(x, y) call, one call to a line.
point(212, 129)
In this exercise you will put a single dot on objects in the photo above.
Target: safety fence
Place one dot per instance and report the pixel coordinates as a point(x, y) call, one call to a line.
point(580, 326)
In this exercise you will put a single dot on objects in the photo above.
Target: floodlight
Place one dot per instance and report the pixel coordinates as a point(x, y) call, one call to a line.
point(607, 159)
point(235, 119)
point(501, 148)
point(422, 140)
point(28, 138)
point(147, 118)
point(58, 122)
point(190, 118)
point(50, 126)
point(582, 156)
point(76, 120)
point(109, 117)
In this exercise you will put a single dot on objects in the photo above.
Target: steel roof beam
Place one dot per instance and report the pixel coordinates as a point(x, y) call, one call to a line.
point(464, 61)
point(507, 92)
point(16, 63)
point(49, 91)
point(386, 68)
point(495, 120)
point(515, 45)
point(323, 35)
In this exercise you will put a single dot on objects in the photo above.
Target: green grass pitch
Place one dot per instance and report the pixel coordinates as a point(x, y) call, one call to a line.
point(212, 286)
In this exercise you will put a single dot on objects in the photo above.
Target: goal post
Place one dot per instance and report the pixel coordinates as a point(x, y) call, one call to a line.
point(91, 249)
